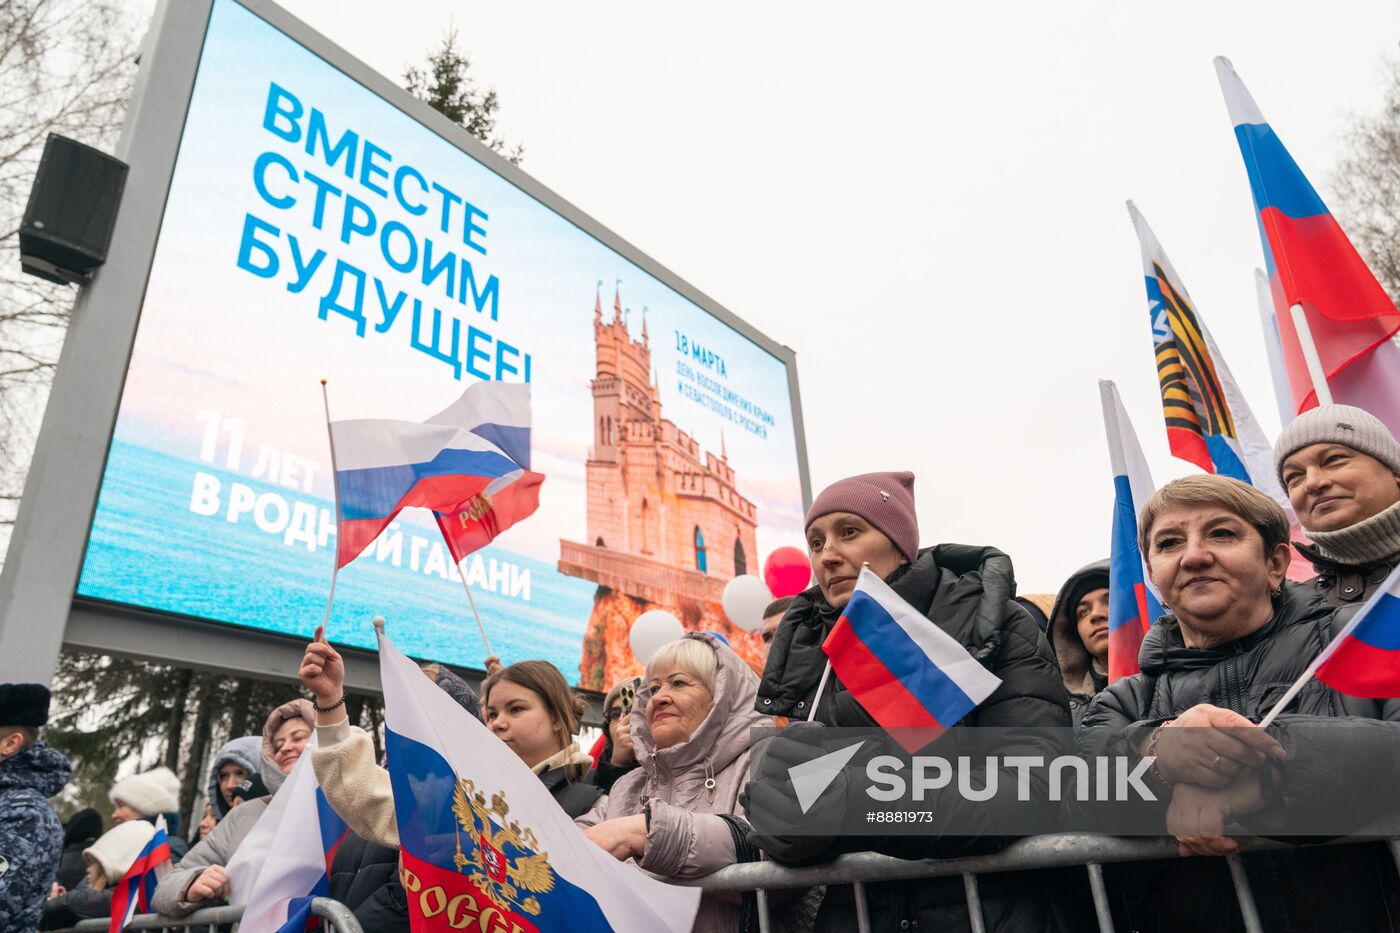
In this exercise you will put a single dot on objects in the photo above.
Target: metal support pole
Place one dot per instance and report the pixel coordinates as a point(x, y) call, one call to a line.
point(974, 903)
point(1248, 909)
point(862, 910)
point(764, 922)
point(1100, 892)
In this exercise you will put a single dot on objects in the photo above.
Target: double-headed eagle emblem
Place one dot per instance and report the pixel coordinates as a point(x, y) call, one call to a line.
point(498, 865)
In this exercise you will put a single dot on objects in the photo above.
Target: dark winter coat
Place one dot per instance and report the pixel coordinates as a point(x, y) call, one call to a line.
point(1346, 584)
point(1351, 888)
point(31, 836)
point(1077, 671)
point(81, 831)
point(967, 592)
point(81, 903)
point(574, 797)
point(365, 878)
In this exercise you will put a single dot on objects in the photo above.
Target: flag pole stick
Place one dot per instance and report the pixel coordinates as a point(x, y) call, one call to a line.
point(826, 672)
point(472, 599)
point(335, 494)
point(1310, 355)
point(1298, 684)
point(821, 688)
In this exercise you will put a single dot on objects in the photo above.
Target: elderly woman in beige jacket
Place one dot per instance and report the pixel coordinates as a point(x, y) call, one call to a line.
point(690, 728)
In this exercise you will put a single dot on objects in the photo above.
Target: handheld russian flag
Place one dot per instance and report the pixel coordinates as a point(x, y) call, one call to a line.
point(442, 464)
point(482, 840)
point(1312, 264)
point(1133, 604)
point(135, 892)
point(285, 860)
point(1209, 423)
point(912, 677)
point(1363, 660)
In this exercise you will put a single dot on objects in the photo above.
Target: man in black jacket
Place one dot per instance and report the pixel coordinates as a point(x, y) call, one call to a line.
point(968, 593)
point(1341, 468)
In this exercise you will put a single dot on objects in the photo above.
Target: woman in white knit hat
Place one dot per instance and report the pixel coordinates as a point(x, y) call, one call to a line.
point(108, 860)
point(149, 795)
point(1341, 468)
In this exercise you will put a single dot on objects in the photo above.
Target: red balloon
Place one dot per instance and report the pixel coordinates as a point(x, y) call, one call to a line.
point(787, 572)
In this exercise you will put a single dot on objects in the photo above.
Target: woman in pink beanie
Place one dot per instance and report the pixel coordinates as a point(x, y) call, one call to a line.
point(966, 591)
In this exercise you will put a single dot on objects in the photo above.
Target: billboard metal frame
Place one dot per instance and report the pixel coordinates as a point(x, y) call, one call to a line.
point(39, 614)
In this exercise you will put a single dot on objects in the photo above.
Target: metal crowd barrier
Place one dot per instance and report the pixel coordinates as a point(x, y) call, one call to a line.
point(338, 919)
point(1058, 850)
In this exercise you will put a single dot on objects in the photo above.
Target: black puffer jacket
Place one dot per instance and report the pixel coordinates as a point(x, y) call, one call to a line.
point(1352, 888)
point(1346, 584)
point(968, 593)
point(363, 878)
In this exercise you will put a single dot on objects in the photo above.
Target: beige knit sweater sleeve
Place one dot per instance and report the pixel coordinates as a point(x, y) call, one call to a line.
point(354, 784)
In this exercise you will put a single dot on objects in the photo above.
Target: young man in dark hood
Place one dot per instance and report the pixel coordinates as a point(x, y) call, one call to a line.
point(31, 836)
point(1078, 634)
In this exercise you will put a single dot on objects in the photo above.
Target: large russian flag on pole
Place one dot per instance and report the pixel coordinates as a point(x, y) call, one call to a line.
point(912, 677)
point(484, 844)
point(499, 412)
point(136, 891)
point(1311, 264)
point(1133, 605)
point(1209, 423)
point(1363, 660)
point(384, 465)
point(285, 860)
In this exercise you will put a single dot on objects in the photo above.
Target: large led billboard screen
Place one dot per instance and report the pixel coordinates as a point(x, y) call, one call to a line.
point(315, 229)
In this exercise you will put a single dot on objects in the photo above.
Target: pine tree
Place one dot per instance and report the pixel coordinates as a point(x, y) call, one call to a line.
point(449, 88)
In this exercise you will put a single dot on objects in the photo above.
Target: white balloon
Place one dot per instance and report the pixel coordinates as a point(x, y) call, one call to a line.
point(745, 598)
point(651, 630)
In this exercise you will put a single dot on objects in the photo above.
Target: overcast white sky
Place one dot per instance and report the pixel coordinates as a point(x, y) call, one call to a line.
point(926, 202)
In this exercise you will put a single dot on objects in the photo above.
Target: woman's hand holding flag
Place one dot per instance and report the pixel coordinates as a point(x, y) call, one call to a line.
point(322, 672)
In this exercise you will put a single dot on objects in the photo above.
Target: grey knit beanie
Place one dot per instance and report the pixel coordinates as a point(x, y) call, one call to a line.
point(885, 500)
point(1338, 424)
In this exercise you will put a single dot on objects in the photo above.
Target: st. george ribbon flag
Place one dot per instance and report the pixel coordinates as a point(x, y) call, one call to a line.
point(285, 859)
point(385, 465)
point(135, 892)
point(912, 677)
point(1209, 423)
point(500, 413)
point(484, 845)
point(1133, 604)
point(1363, 659)
point(1311, 263)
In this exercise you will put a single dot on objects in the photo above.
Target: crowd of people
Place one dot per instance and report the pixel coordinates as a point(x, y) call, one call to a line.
point(677, 778)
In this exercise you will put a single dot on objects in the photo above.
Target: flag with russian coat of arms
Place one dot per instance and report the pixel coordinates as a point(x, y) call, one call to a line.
point(484, 844)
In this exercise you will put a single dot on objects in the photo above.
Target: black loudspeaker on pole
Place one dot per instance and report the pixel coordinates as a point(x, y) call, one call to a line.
point(72, 208)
